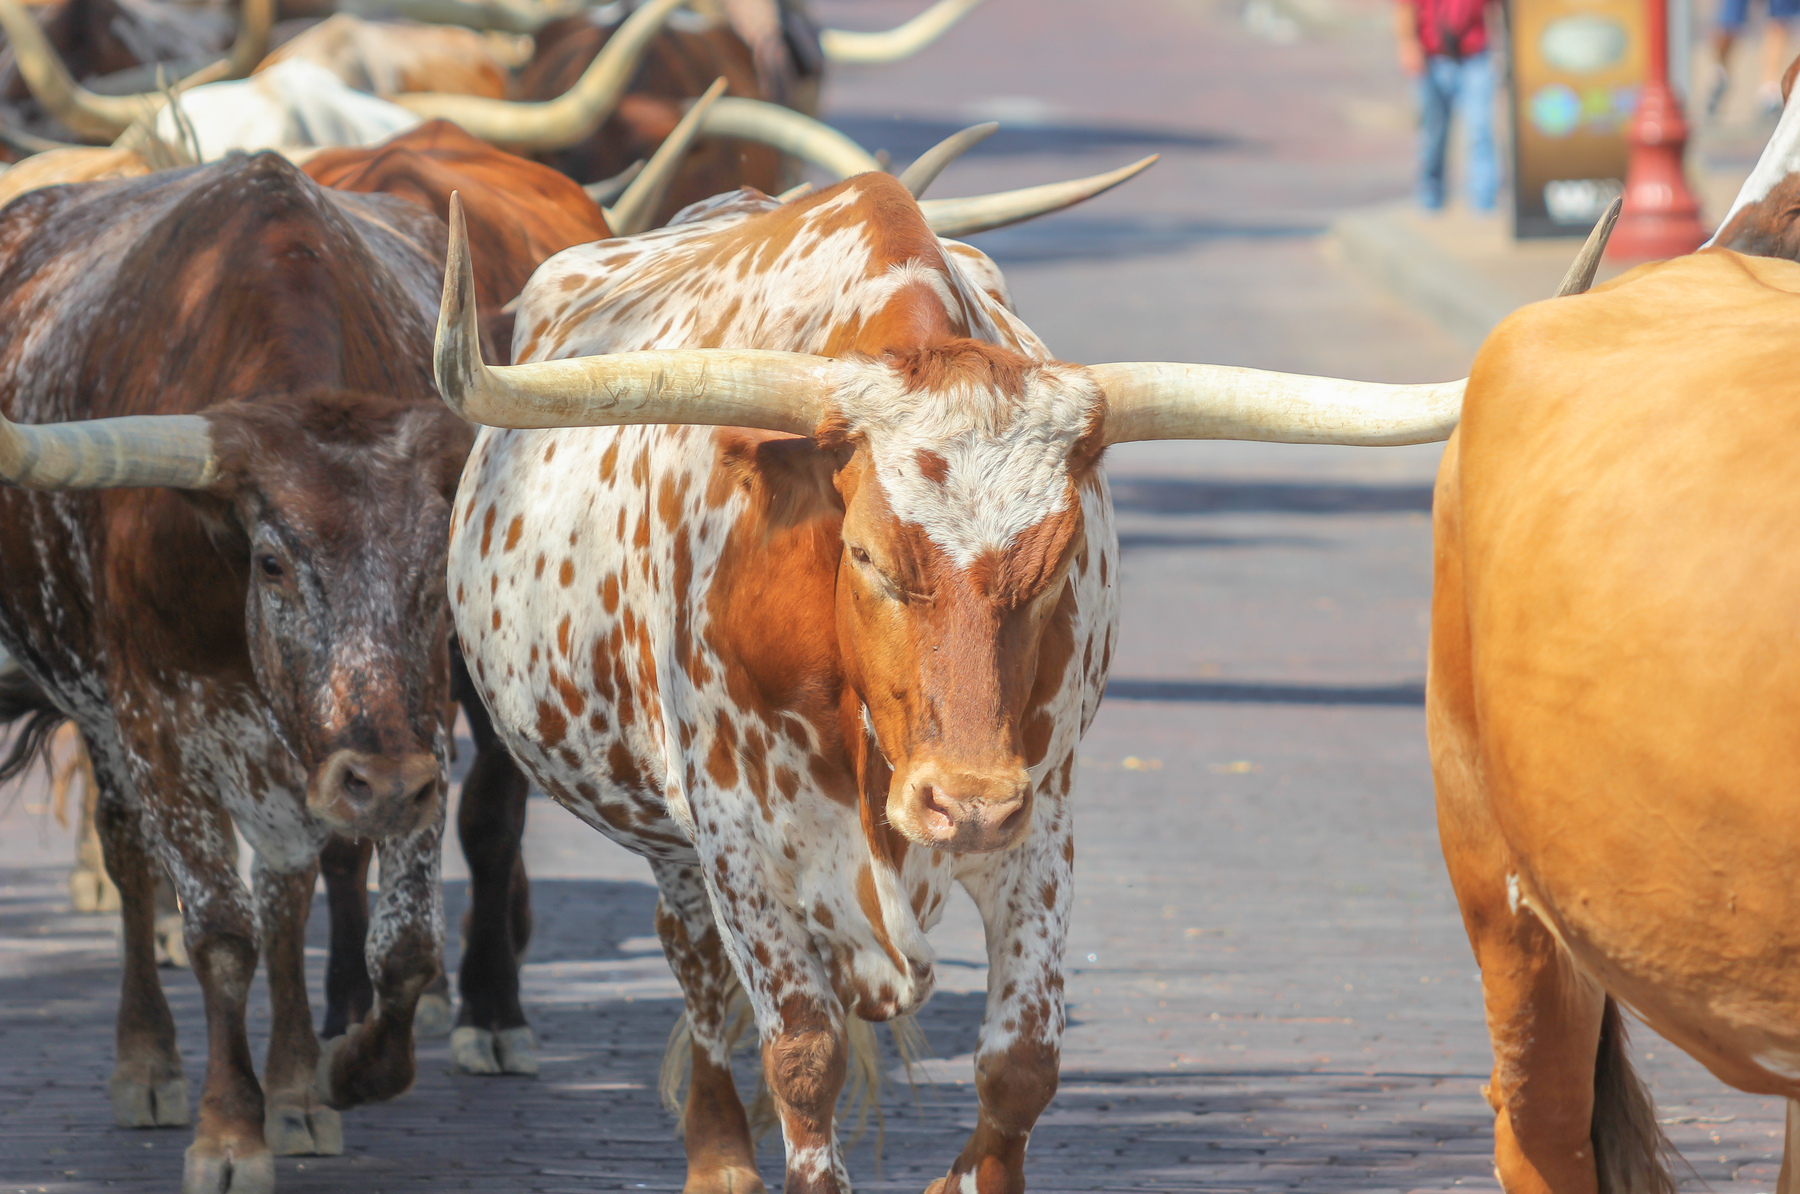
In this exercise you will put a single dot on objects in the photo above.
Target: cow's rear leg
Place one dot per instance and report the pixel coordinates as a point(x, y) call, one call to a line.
point(1570, 1116)
point(1024, 899)
point(721, 1155)
point(374, 1060)
point(147, 1087)
point(491, 1035)
point(295, 1123)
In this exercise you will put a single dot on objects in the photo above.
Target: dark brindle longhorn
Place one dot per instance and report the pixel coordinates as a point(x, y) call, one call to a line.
point(226, 564)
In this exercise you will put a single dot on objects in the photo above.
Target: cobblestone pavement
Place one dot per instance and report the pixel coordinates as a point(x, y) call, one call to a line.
point(1269, 987)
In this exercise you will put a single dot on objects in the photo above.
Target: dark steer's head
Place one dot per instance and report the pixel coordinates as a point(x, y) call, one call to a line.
point(339, 507)
point(336, 508)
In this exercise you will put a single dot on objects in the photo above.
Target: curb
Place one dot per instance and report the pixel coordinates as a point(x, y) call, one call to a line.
point(1380, 247)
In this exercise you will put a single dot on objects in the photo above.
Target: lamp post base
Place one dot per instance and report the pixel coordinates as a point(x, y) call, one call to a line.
point(1661, 217)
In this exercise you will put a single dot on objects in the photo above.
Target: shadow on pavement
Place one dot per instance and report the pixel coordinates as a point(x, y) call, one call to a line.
point(1410, 694)
point(905, 138)
point(1172, 495)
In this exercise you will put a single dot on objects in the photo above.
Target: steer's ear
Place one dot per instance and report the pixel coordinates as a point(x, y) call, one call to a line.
point(790, 479)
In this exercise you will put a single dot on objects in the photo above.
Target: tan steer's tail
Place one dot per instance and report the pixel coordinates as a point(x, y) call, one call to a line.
point(1630, 1151)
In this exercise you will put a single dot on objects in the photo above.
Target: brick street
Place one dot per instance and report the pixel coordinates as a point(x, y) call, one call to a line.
point(1269, 987)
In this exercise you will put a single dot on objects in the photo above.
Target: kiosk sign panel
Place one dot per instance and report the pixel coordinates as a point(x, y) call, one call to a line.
point(1577, 66)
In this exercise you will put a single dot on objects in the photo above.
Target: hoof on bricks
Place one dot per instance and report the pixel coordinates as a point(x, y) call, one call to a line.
point(516, 1050)
point(304, 1132)
point(472, 1049)
point(91, 891)
point(145, 1105)
point(432, 1016)
point(215, 1173)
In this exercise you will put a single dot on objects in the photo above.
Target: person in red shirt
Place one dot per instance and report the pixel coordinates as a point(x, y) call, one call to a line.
point(1444, 44)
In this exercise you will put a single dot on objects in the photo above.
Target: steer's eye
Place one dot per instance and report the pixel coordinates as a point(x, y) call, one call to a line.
point(859, 555)
point(269, 566)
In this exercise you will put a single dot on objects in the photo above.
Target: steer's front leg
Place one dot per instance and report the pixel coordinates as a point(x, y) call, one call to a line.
point(374, 1059)
point(799, 1021)
point(1024, 901)
point(294, 1122)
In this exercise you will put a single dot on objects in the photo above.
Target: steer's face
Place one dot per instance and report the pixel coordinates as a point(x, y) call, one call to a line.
point(341, 508)
point(961, 521)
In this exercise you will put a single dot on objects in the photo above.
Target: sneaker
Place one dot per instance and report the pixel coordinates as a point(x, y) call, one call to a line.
point(1768, 99)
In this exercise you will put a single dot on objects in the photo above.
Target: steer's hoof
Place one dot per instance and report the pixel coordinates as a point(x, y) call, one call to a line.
point(432, 1016)
point(516, 1050)
point(472, 1049)
point(227, 1172)
point(149, 1104)
point(294, 1130)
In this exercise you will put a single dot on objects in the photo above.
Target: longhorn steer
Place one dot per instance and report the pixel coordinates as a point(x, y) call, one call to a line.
point(227, 570)
point(818, 673)
point(1609, 704)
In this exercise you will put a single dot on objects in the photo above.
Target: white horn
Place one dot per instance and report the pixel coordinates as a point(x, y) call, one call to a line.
point(568, 119)
point(103, 117)
point(174, 450)
point(902, 41)
point(1173, 401)
point(791, 133)
point(776, 391)
point(981, 213)
point(637, 206)
point(924, 171)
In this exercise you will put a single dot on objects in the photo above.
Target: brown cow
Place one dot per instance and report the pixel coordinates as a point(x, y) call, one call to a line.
point(227, 568)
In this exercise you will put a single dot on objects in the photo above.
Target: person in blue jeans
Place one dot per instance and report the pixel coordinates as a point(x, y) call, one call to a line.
point(1444, 44)
point(1777, 36)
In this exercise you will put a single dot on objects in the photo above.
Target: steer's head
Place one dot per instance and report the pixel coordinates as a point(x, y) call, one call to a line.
point(962, 517)
point(338, 506)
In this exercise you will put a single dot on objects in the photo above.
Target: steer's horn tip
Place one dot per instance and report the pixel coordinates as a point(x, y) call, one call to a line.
point(457, 358)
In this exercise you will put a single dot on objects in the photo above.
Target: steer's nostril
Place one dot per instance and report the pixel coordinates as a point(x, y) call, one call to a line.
point(355, 786)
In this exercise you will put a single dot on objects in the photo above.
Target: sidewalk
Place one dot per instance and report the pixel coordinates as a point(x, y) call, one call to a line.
point(1465, 271)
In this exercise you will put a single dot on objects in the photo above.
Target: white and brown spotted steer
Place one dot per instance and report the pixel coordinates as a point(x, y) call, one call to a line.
point(833, 653)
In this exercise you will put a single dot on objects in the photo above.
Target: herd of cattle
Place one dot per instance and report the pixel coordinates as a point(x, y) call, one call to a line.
point(772, 524)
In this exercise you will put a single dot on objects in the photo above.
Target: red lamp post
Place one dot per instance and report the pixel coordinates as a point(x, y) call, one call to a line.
point(1661, 217)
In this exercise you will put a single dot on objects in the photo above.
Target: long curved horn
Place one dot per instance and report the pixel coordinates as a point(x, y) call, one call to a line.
point(790, 132)
point(777, 391)
point(174, 450)
point(925, 169)
point(1172, 401)
point(102, 117)
point(635, 208)
point(902, 41)
point(569, 118)
point(980, 213)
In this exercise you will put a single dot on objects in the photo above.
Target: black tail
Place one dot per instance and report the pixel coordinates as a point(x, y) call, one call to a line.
point(1630, 1151)
point(22, 701)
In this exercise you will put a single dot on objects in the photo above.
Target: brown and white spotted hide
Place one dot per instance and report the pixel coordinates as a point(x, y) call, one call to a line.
point(271, 652)
point(825, 677)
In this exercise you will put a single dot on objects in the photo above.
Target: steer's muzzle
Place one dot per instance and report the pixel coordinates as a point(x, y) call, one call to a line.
point(375, 796)
point(961, 810)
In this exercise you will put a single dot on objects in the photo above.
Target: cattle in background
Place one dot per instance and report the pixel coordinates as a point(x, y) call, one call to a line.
point(825, 661)
point(226, 567)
